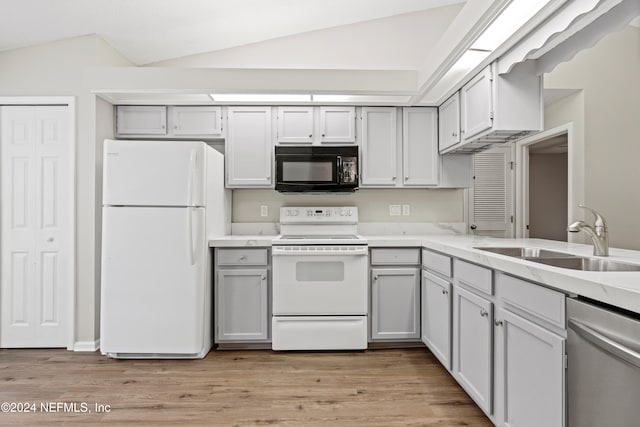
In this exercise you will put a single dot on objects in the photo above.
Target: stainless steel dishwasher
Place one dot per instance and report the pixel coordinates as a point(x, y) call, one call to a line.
point(603, 373)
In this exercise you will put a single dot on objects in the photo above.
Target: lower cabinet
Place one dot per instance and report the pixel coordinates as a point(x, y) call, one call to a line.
point(436, 316)
point(529, 367)
point(395, 303)
point(473, 345)
point(242, 296)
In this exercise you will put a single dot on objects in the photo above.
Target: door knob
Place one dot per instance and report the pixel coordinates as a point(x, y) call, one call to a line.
point(473, 226)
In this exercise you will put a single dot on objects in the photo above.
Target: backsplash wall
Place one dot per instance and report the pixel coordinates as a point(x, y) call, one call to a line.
point(426, 205)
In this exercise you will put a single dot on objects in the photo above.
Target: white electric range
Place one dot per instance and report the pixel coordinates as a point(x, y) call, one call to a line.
point(319, 280)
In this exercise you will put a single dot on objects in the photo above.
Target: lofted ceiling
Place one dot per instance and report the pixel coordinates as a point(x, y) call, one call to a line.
point(149, 31)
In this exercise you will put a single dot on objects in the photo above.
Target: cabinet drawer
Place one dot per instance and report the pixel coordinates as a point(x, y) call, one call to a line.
point(436, 262)
point(242, 257)
point(403, 256)
point(541, 302)
point(474, 276)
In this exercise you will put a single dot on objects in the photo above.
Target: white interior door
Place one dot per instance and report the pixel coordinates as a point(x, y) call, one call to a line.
point(36, 226)
point(490, 196)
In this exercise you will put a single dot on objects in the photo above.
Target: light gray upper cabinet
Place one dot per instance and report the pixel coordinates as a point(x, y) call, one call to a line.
point(449, 122)
point(395, 294)
point(249, 147)
point(139, 120)
point(420, 158)
point(242, 295)
point(379, 149)
point(477, 104)
point(295, 125)
point(338, 125)
point(196, 121)
point(494, 108)
point(316, 125)
point(160, 121)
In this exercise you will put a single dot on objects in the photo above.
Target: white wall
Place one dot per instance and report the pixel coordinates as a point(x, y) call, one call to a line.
point(396, 43)
point(58, 69)
point(607, 113)
point(427, 205)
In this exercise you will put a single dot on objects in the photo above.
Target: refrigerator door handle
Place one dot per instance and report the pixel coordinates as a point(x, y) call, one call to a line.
point(191, 251)
point(192, 165)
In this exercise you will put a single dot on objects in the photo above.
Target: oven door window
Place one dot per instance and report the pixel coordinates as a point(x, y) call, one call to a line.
point(320, 271)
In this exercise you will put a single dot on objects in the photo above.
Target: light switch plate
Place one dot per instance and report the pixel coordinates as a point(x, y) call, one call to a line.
point(406, 210)
point(264, 210)
point(395, 210)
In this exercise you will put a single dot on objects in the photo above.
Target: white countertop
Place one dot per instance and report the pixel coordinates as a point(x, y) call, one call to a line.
point(620, 289)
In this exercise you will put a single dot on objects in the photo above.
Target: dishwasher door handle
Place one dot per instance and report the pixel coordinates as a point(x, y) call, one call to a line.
point(605, 343)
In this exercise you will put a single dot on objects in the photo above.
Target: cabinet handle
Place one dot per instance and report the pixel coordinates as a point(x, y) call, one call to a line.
point(445, 292)
point(310, 135)
point(375, 277)
point(243, 258)
point(393, 178)
point(462, 131)
point(406, 177)
point(323, 135)
point(453, 134)
point(483, 312)
point(175, 126)
point(498, 322)
point(264, 277)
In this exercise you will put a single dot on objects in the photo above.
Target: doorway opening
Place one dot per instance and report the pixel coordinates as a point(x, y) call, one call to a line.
point(543, 205)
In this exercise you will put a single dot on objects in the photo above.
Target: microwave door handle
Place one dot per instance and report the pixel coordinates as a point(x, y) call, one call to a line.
point(339, 169)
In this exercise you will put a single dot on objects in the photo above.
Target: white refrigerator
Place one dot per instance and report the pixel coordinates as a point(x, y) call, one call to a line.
point(162, 201)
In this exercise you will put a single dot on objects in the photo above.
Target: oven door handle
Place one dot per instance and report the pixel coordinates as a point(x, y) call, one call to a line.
point(339, 169)
point(287, 251)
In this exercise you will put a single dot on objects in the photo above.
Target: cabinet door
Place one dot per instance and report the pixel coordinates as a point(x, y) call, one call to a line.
point(205, 121)
point(249, 147)
point(141, 120)
point(395, 303)
point(420, 146)
point(449, 122)
point(529, 373)
point(436, 317)
point(242, 305)
point(477, 104)
point(295, 124)
point(337, 124)
point(472, 346)
point(379, 165)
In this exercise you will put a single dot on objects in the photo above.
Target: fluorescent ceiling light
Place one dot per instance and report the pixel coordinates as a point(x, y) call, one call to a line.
point(510, 19)
point(361, 98)
point(274, 97)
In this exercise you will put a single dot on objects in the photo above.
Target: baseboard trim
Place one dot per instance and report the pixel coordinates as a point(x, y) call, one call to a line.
point(87, 345)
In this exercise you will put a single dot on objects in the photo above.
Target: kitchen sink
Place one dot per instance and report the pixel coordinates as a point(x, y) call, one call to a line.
point(522, 252)
point(587, 264)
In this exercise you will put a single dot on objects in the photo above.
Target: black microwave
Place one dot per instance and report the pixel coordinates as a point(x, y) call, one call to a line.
point(316, 169)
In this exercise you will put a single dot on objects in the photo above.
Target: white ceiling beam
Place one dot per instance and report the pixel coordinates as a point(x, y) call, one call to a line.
point(474, 17)
point(210, 80)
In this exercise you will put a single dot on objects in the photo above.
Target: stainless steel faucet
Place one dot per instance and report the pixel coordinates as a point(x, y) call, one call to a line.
point(598, 233)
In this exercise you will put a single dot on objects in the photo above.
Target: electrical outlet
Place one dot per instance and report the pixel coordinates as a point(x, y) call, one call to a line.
point(264, 210)
point(406, 210)
point(395, 210)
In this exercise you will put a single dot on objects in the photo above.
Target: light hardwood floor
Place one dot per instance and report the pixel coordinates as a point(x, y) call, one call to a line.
point(404, 387)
